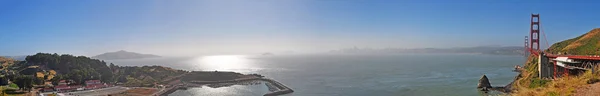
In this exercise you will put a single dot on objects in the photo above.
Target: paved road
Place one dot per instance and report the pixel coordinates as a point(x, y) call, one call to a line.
point(98, 92)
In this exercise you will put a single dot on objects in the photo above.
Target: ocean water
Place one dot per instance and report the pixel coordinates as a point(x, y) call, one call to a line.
point(350, 75)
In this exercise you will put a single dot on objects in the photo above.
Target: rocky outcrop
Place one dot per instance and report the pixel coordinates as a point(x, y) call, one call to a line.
point(485, 85)
point(484, 82)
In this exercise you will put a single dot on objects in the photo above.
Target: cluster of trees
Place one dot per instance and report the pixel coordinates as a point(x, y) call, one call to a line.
point(25, 82)
point(53, 67)
point(77, 68)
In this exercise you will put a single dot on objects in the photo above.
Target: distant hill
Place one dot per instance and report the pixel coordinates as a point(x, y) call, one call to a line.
point(586, 44)
point(493, 50)
point(123, 55)
point(6, 61)
point(20, 58)
point(81, 68)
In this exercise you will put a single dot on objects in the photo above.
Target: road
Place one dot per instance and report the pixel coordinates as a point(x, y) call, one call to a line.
point(98, 92)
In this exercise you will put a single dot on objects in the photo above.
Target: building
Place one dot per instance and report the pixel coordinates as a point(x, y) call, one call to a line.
point(94, 84)
point(46, 89)
point(64, 87)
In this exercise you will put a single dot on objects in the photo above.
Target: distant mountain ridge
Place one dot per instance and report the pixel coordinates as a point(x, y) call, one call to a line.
point(493, 50)
point(20, 58)
point(123, 55)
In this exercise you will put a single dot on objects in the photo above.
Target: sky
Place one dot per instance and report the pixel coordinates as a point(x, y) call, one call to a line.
point(190, 27)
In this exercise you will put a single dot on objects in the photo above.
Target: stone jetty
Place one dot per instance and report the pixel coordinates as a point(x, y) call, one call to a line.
point(282, 88)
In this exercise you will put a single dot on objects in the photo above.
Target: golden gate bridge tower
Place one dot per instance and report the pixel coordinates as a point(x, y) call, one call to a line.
point(526, 52)
point(551, 65)
point(534, 34)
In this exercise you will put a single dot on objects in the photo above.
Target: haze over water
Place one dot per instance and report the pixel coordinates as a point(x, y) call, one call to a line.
point(352, 75)
point(191, 27)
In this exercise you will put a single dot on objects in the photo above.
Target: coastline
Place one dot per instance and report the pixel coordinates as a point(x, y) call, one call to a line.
point(508, 88)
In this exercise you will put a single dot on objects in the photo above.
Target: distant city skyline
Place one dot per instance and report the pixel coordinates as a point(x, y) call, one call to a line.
point(191, 27)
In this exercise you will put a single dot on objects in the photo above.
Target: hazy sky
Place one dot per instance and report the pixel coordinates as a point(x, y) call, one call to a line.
point(186, 27)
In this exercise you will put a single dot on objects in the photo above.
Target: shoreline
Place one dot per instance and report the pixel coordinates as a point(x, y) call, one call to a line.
point(508, 87)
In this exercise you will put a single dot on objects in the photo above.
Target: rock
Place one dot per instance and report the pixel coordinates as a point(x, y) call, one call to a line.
point(484, 82)
point(484, 89)
point(593, 80)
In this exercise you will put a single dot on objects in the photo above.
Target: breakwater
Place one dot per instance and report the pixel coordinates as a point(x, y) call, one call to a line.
point(282, 89)
point(169, 90)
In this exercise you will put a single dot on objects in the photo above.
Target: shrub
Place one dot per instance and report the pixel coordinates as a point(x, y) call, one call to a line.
point(535, 83)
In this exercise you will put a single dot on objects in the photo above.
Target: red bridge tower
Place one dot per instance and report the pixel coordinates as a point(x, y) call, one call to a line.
point(534, 34)
point(526, 51)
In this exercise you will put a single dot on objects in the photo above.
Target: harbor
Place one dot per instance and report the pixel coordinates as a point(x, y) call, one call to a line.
point(182, 85)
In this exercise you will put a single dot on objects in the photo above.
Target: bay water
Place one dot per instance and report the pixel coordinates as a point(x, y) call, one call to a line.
point(349, 74)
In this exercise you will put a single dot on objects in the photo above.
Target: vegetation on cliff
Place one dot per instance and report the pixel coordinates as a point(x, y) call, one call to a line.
point(43, 69)
point(143, 76)
point(77, 68)
point(587, 44)
point(54, 67)
point(529, 84)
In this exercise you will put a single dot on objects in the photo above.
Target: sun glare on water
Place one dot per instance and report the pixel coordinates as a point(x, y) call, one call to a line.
point(224, 62)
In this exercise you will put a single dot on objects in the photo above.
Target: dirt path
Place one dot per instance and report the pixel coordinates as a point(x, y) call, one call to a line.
point(589, 90)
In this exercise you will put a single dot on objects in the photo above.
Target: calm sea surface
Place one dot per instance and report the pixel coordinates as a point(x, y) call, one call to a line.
point(350, 75)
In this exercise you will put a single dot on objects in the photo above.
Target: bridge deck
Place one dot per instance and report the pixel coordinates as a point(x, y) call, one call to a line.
point(580, 57)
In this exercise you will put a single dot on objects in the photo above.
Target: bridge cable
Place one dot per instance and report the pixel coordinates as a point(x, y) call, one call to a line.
point(545, 39)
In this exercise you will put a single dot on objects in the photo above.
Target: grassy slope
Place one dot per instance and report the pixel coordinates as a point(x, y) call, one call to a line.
point(530, 85)
point(146, 75)
point(587, 44)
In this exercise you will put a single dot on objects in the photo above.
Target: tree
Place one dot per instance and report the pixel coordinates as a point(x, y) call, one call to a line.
point(78, 68)
point(25, 82)
point(112, 66)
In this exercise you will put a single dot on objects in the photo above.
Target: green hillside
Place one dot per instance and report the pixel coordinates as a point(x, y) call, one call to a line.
point(81, 68)
point(586, 44)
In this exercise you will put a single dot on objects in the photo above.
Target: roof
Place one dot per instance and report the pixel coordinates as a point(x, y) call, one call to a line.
point(92, 81)
point(67, 87)
point(33, 67)
point(581, 57)
point(565, 60)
